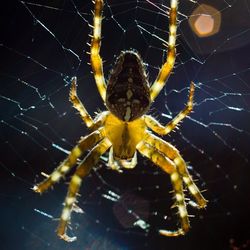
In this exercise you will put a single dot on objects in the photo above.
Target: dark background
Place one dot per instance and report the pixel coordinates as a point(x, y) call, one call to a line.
point(35, 71)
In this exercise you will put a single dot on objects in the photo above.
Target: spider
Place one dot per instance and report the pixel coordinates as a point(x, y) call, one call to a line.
point(125, 128)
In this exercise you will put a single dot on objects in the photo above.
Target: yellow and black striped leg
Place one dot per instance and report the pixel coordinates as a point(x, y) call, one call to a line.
point(193, 189)
point(82, 171)
point(169, 167)
point(185, 112)
point(169, 64)
point(77, 104)
point(172, 153)
point(181, 205)
point(84, 144)
point(163, 130)
point(96, 60)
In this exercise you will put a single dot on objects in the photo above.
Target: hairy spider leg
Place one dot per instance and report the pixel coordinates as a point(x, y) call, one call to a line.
point(95, 58)
point(173, 154)
point(163, 130)
point(82, 171)
point(169, 167)
point(167, 67)
point(85, 143)
point(77, 104)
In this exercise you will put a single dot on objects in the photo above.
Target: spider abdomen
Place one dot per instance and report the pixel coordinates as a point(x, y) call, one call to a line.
point(124, 136)
point(128, 94)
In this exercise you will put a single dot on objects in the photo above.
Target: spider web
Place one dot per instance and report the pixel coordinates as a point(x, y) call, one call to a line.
point(43, 45)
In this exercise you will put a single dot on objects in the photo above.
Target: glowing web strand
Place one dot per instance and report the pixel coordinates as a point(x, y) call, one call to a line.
point(28, 85)
point(115, 198)
point(219, 137)
point(212, 98)
point(50, 32)
point(23, 133)
point(229, 75)
point(153, 35)
point(43, 213)
point(14, 175)
point(17, 103)
point(165, 8)
point(218, 124)
point(58, 9)
point(219, 98)
point(7, 169)
point(40, 133)
point(78, 12)
point(60, 148)
point(18, 117)
point(43, 6)
point(34, 61)
point(228, 125)
point(112, 17)
point(228, 108)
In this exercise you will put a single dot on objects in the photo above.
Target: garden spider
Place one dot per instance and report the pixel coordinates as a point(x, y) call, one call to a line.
point(123, 129)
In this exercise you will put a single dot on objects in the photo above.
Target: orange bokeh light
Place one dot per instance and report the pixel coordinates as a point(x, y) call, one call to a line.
point(205, 21)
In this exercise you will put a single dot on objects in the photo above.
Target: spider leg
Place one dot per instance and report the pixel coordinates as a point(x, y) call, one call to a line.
point(84, 144)
point(82, 171)
point(77, 104)
point(163, 130)
point(169, 64)
point(169, 167)
point(95, 58)
point(173, 154)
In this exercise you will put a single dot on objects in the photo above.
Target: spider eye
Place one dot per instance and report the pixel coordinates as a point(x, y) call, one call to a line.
point(128, 90)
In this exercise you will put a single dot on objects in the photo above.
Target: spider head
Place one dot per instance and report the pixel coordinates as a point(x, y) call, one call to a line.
point(128, 95)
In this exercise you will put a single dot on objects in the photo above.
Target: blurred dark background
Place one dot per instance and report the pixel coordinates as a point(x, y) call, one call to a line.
point(43, 44)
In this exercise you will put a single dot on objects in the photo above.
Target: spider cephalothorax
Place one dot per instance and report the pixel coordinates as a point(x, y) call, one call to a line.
point(125, 128)
point(128, 92)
